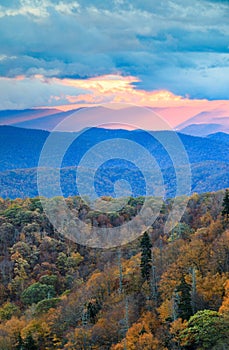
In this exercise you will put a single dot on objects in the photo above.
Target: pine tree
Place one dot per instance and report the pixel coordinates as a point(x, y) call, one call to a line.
point(146, 257)
point(225, 211)
point(19, 345)
point(185, 303)
point(29, 343)
point(92, 310)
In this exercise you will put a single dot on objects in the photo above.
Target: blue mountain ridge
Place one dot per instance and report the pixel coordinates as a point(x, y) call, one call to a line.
point(20, 151)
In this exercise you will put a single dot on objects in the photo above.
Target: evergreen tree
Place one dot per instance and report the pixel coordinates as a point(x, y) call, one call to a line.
point(19, 345)
point(29, 343)
point(146, 257)
point(92, 310)
point(225, 211)
point(185, 302)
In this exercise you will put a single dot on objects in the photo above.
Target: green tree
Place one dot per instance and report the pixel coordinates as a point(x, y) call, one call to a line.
point(206, 329)
point(93, 307)
point(49, 280)
point(20, 343)
point(185, 303)
point(44, 305)
point(146, 257)
point(29, 343)
point(225, 211)
point(37, 292)
point(7, 311)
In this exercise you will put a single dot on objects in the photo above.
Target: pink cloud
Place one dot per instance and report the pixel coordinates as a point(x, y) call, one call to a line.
point(118, 89)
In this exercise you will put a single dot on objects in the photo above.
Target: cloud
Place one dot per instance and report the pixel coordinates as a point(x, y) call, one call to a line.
point(63, 93)
point(166, 44)
point(22, 92)
point(41, 90)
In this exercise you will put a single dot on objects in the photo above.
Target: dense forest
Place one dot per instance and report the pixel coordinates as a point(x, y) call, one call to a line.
point(208, 158)
point(161, 291)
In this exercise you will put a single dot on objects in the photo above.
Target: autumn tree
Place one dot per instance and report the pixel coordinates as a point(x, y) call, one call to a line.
point(141, 335)
point(79, 339)
point(224, 308)
point(56, 294)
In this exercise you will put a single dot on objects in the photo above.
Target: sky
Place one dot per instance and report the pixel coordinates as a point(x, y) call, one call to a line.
point(164, 54)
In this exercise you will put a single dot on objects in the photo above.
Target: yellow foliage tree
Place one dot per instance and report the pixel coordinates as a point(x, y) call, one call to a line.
point(78, 340)
point(224, 308)
point(165, 310)
point(141, 335)
point(211, 287)
point(176, 328)
point(11, 329)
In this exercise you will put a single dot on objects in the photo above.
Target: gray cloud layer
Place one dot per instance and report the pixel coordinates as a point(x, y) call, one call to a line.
point(169, 44)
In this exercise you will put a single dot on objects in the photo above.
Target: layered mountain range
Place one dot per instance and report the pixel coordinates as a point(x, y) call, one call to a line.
point(21, 149)
point(201, 124)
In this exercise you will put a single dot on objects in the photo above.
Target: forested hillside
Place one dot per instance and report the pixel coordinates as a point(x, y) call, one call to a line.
point(20, 150)
point(162, 291)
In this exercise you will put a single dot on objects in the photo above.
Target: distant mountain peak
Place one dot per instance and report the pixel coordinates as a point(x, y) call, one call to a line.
point(205, 123)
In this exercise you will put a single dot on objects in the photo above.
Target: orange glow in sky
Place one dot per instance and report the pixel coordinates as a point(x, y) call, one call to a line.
point(118, 89)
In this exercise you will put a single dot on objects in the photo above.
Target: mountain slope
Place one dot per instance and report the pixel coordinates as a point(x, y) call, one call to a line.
point(219, 137)
point(21, 183)
point(203, 130)
point(20, 151)
point(20, 148)
point(205, 123)
point(11, 117)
